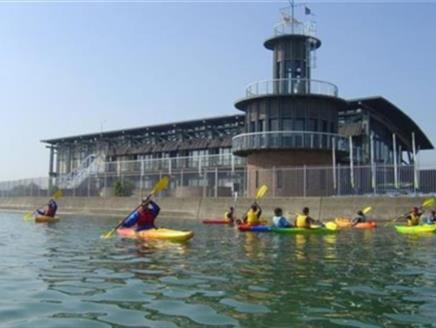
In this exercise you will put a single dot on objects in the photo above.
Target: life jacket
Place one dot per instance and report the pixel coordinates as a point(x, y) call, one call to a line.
point(253, 217)
point(228, 216)
point(413, 219)
point(147, 215)
point(301, 221)
point(51, 209)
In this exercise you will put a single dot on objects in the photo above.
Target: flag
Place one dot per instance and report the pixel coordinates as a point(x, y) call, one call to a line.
point(307, 11)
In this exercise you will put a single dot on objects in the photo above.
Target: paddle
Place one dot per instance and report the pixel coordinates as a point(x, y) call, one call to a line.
point(158, 187)
point(56, 195)
point(426, 203)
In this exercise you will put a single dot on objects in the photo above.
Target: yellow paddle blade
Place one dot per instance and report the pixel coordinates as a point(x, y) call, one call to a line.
point(428, 202)
point(367, 210)
point(28, 215)
point(331, 225)
point(58, 194)
point(108, 234)
point(160, 185)
point(263, 189)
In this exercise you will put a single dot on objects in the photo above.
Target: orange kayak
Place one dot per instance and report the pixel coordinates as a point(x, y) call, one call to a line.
point(46, 219)
point(346, 223)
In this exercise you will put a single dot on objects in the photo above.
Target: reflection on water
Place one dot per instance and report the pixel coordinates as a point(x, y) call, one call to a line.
point(63, 275)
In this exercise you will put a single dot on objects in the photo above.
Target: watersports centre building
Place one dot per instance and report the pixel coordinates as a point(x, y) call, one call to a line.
point(290, 122)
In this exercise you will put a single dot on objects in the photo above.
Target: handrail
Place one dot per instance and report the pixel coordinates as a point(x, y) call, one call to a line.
point(291, 87)
point(289, 140)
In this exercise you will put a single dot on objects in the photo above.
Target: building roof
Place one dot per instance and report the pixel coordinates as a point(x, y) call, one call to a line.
point(398, 121)
point(150, 128)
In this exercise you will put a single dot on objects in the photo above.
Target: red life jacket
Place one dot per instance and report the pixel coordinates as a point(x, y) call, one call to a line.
point(146, 217)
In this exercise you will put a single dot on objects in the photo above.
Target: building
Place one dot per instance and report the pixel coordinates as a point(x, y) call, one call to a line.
point(288, 124)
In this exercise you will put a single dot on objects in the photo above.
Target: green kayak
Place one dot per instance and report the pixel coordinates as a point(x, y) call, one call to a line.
point(318, 230)
point(415, 229)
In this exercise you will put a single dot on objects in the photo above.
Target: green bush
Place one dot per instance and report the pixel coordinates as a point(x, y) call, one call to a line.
point(123, 188)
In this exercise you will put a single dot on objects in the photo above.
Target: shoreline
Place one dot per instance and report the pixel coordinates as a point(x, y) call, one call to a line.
point(384, 208)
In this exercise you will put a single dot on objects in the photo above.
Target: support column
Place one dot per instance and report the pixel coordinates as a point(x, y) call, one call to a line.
point(373, 172)
point(394, 143)
point(334, 162)
point(415, 164)
point(351, 162)
point(50, 169)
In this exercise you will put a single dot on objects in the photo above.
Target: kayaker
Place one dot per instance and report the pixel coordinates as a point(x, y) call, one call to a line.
point(433, 216)
point(358, 218)
point(304, 220)
point(430, 218)
point(49, 210)
point(279, 221)
point(413, 217)
point(143, 218)
point(229, 216)
point(252, 217)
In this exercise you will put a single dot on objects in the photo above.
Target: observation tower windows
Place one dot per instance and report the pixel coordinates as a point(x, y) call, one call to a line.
point(273, 124)
point(287, 124)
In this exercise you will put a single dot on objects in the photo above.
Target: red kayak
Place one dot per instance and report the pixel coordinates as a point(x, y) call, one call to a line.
point(366, 225)
point(216, 221)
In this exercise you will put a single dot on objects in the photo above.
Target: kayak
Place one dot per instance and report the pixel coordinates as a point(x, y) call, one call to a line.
point(46, 219)
point(254, 228)
point(346, 223)
point(422, 228)
point(156, 234)
point(216, 221)
point(312, 230)
point(366, 225)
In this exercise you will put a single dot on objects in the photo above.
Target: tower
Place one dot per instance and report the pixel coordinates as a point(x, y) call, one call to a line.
point(291, 120)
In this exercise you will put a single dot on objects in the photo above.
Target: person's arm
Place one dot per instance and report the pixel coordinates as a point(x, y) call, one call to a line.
point(259, 213)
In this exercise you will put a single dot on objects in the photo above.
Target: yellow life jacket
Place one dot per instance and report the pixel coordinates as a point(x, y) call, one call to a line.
point(227, 215)
point(301, 221)
point(413, 219)
point(252, 217)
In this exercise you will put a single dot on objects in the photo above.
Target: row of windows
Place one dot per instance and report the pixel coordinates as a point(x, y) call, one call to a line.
point(288, 124)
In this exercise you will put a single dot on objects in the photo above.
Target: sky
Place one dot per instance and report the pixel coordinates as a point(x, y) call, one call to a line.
point(70, 68)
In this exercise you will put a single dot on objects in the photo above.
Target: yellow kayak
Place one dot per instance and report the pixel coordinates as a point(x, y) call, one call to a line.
point(156, 234)
point(46, 219)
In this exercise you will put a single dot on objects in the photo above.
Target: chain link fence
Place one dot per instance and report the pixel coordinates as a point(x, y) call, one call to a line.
point(133, 179)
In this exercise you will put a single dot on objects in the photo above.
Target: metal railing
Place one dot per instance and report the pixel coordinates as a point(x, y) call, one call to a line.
point(294, 28)
point(291, 87)
point(303, 181)
point(289, 140)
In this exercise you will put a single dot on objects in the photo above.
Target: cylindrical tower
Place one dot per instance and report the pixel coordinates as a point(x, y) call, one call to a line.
point(291, 120)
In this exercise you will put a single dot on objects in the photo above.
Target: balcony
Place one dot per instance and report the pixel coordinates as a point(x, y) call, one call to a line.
point(285, 87)
point(307, 140)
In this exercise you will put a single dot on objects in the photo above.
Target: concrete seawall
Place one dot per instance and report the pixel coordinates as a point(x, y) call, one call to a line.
point(384, 208)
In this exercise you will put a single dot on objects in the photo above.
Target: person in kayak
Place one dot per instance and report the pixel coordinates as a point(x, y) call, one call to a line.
point(279, 221)
point(143, 218)
point(413, 217)
point(229, 216)
point(430, 218)
point(252, 217)
point(358, 218)
point(304, 220)
point(49, 210)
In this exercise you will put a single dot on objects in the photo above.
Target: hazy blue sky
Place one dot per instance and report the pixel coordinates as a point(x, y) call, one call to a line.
point(70, 68)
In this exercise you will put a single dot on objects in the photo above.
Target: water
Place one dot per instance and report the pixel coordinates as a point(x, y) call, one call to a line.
point(63, 275)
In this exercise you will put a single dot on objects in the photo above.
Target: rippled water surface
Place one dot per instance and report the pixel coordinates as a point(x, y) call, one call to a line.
point(64, 275)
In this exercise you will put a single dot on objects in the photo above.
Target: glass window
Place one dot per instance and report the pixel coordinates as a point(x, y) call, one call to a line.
point(299, 124)
point(274, 124)
point(324, 126)
point(287, 124)
point(261, 125)
point(312, 125)
point(252, 127)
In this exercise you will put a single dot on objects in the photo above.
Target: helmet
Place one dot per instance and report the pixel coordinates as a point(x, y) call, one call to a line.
point(359, 212)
